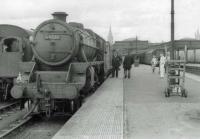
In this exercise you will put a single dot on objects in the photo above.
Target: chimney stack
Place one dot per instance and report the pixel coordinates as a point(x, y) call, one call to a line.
point(60, 16)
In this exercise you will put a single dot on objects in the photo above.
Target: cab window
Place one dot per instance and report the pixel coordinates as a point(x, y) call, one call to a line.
point(10, 45)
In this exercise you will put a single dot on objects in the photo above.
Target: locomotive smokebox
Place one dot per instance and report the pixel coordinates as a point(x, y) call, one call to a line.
point(60, 16)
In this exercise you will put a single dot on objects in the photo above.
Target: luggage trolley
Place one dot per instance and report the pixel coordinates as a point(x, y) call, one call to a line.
point(176, 77)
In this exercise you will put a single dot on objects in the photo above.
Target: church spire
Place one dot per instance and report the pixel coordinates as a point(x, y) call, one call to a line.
point(110, 36)
point(197, 35)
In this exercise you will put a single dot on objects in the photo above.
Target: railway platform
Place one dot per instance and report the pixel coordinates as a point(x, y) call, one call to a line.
point(193, 68)
point(149, 114)
point(101, 116)
point(137, 108)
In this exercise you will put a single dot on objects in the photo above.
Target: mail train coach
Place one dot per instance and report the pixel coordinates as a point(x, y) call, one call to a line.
point(146, 57)
point(193, 56)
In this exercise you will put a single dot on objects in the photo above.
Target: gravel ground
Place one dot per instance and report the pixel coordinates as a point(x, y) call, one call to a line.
point(8, 118)
point(149, 115)
point(39, 128)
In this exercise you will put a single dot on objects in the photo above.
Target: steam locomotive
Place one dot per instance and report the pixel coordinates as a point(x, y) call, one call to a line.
point(69, 61)
point(14, 49)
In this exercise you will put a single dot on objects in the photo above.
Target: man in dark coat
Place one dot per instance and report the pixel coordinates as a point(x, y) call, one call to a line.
point(159, 65)
point(127, 64)
point(116, 62)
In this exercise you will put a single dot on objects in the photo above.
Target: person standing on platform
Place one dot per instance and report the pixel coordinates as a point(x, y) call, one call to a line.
point(162, 65)
point(116, 62)
point(153, 63)
point(167, 59)
point(127, 65)
point(158, 64)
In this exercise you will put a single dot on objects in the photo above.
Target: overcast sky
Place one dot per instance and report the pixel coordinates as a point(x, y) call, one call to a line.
point(148, 19)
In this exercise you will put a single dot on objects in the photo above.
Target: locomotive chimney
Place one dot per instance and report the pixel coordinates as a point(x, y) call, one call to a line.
point(60, 16)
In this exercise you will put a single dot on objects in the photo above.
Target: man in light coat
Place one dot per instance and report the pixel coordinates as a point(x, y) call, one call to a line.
point(162, 65)
point(154, 63)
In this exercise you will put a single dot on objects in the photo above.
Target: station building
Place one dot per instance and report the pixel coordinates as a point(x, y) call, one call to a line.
point(130, 45)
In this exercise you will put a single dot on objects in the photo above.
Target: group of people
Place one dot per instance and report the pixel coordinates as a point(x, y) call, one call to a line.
point(129, 60)
point(127, 64)
point(161, 62)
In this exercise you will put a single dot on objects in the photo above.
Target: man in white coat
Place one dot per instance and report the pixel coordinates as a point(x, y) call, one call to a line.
point(154, 63)
point(162, 65)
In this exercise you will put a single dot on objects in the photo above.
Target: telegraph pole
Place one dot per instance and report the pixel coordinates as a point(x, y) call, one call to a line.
point(172, 30)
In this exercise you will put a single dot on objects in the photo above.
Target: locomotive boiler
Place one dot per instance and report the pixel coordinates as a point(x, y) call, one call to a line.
point(69, 62)
point(14, 49)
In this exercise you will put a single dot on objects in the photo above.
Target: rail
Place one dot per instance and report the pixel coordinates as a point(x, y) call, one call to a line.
point(13, 126)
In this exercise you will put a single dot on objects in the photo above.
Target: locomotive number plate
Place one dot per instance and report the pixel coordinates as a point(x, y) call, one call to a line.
point(52, 37)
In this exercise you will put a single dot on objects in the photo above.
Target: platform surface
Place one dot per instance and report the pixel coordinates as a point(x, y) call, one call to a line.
point(137, 108)
point(149, 115)
point(100, 117)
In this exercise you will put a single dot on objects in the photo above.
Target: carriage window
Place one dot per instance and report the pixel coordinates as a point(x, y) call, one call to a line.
point(10, 45)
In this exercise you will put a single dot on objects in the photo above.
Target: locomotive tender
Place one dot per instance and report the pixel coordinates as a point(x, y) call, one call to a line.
point(69, 61)
point(14, 49)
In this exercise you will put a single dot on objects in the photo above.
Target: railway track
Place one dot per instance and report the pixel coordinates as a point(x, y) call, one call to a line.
point(11, 129)
point(8, 107)
point(13, 126)
point(39, 128)
point(9, 110)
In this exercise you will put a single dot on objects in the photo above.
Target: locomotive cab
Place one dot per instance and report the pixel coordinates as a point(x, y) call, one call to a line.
point(10, 45)
point(16, 46)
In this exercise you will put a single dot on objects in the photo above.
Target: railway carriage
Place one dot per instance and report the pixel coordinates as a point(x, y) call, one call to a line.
point(147, 56)
point(14, 49)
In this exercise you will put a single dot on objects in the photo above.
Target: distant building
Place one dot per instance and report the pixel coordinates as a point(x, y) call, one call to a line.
point(130, 45)
point(110, 37)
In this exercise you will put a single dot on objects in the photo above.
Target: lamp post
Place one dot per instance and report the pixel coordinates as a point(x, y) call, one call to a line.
point(172, 30)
